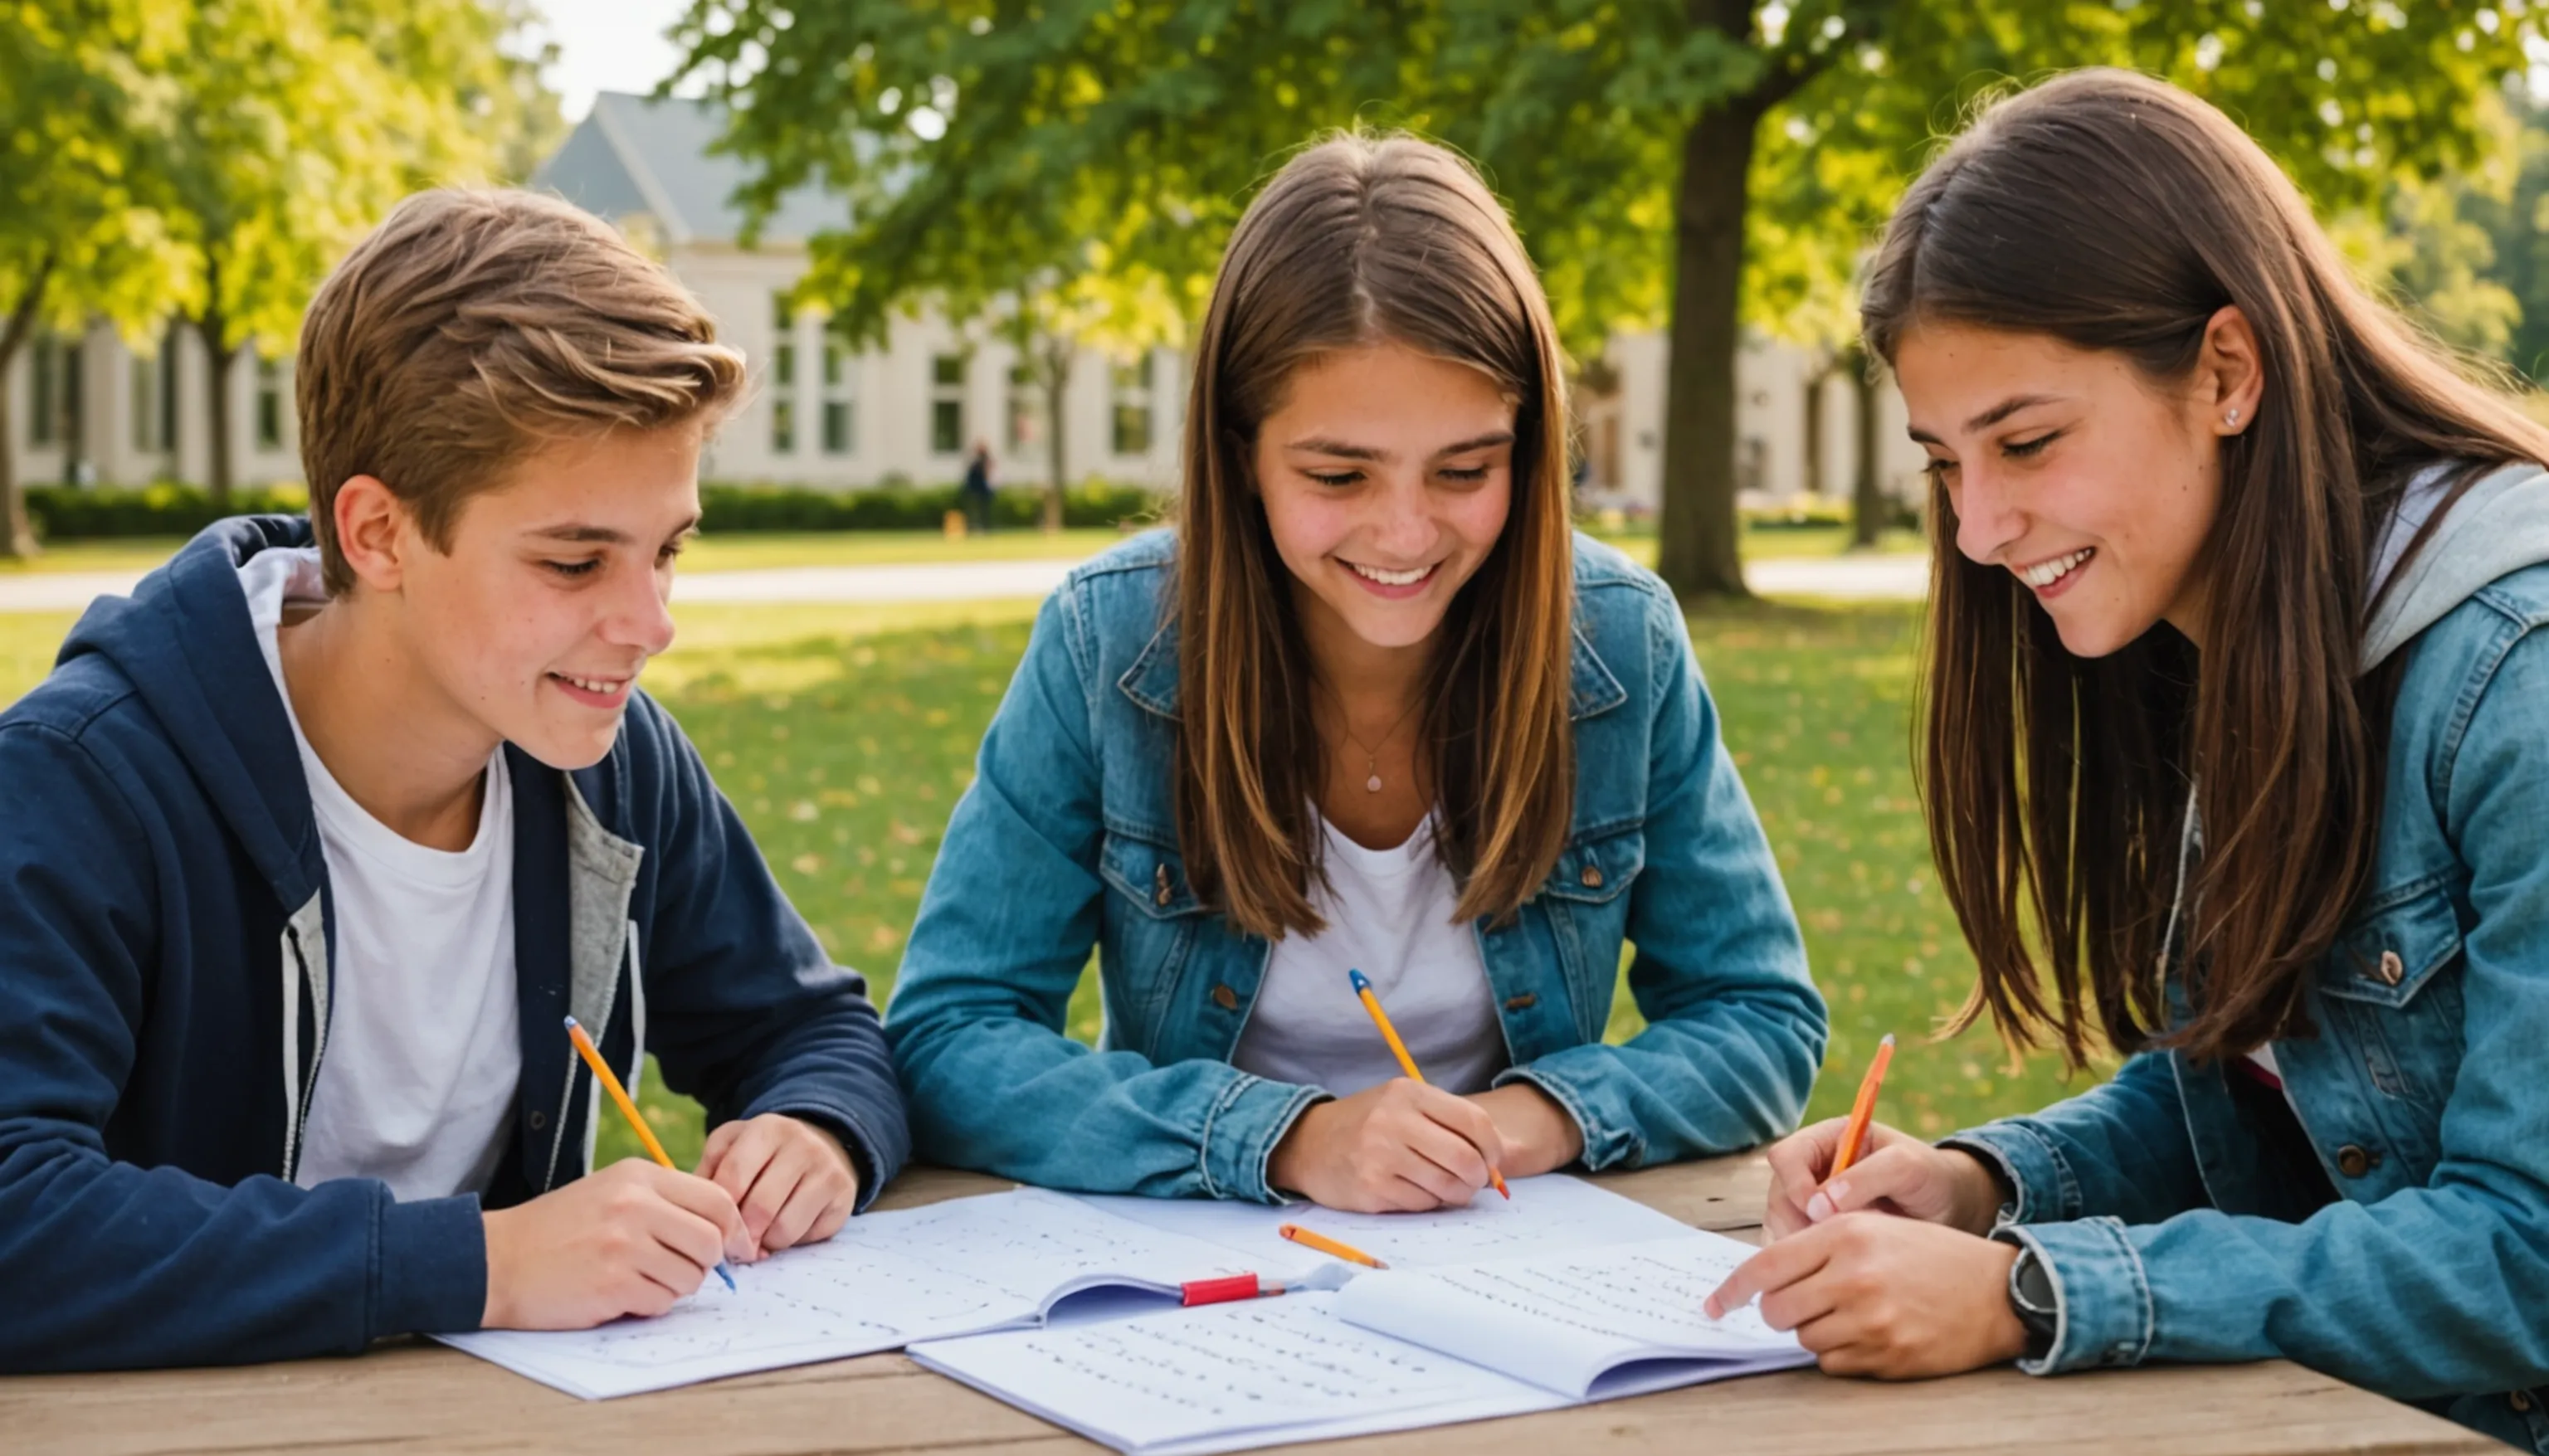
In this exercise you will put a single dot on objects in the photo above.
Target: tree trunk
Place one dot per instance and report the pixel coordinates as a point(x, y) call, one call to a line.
point(219, 356)
point(1697, 552)
point(1867, 510)
point(1057, 384)
point(17, 532)
point(1813, 454)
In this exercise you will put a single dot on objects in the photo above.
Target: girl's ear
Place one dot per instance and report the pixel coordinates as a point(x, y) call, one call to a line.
point(2229, 376)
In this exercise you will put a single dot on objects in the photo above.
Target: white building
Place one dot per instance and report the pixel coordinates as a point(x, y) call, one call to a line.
point(92, 411)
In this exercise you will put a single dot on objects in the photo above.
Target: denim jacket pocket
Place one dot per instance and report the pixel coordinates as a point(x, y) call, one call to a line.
point(1586, 899)
point(2388, 982)
point(1151, 921)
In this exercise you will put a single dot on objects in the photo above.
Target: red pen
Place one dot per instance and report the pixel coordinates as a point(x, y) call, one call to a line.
point(1224, 1290)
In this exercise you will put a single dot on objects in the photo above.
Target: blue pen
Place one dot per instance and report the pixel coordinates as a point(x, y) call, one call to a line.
point(610, 1081)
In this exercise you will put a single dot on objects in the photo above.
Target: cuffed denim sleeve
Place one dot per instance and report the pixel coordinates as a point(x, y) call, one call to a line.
point(2120, 1150)
point(1010, 917)
point(1735, 1026)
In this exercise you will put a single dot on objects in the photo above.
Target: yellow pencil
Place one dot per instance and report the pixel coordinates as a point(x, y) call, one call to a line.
point(1398, 1048)
point(610, 1081)
point(1334, 1248)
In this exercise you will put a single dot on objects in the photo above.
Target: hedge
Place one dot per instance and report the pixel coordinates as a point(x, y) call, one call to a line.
point(63, 513)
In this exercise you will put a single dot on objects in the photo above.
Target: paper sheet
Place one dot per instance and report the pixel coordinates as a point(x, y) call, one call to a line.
point(957, 1267)
point(1550, 1215)
point(1227, 1376)
point(1568, 1322)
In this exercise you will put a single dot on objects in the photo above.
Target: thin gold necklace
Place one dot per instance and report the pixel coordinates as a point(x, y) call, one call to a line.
point(1371, 754)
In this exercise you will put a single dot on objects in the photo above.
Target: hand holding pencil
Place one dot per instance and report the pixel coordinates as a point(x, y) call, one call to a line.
point(631, 1238)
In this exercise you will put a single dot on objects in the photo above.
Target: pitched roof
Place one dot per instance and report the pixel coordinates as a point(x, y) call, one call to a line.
point(637, 154)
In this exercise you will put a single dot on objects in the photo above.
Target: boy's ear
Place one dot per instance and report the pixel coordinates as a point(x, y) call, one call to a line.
point(374, 532)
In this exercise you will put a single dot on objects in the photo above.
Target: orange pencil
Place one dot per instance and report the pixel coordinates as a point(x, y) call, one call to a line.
point(610, 1081)
point(1311, 1238)
point(1863, 1110)
point(1398, 1048)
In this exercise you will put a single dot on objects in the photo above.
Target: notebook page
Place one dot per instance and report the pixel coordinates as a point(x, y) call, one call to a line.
point(1566, 1322)
point(1226, 1377)
point(1550, 1214)
point(884, 1280)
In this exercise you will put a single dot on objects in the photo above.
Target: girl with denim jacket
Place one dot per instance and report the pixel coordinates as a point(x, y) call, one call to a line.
point(2239, 723)
point(1372, 706)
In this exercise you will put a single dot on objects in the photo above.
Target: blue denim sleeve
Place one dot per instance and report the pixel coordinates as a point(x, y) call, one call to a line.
point(1009, 919)
point(2120, 1150)
point(1735, 1026)
point(2434, 1290)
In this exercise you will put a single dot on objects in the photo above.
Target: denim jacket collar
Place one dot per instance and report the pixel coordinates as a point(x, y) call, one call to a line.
point(1152, 680)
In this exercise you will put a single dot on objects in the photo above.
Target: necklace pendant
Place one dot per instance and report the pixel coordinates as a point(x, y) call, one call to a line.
point(1372, 784)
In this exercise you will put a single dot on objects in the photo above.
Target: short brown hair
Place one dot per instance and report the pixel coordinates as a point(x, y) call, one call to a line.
point(473, 327)
point(1361, 240)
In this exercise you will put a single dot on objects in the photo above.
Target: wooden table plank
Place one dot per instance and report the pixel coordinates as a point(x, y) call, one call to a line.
point(416, 1397)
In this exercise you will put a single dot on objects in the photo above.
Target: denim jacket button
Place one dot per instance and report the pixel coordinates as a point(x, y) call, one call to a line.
point(1592, 876)
point(1160, 886)
point(2519, 1401)
point(2353, 1162)
point(1225, 998)
point(2391, 968)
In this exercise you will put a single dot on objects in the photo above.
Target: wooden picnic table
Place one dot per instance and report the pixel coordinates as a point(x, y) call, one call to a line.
point(419, 1397)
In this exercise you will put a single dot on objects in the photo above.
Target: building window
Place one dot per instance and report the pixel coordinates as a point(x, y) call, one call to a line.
point(43, 394)
point(1026, 409)
point(1132, 394)
point(841, 415)
point(155, 399)
point(947, 404)
point(269, 403)
point(783, 377)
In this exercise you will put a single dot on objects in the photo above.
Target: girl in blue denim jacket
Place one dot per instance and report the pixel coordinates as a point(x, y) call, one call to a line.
point(2239, 723)
point(1372, 706)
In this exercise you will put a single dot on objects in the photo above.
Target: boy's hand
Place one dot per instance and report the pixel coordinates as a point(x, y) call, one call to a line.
point(1893, 1298)
point(1896, 1174)
point(1399, 1147)
point(630, 1239)
point(794, 1181)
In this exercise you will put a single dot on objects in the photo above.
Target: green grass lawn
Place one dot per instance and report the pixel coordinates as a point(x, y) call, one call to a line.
point(845, 734)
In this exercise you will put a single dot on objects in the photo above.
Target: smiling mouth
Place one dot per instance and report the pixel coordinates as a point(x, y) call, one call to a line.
point(1393, 579)
point(2045, 573)
point(598, 687)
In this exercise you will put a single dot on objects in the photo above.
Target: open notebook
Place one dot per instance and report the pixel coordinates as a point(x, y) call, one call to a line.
point(957, 1267)
point(1389, 1351)
point(1028, 1258)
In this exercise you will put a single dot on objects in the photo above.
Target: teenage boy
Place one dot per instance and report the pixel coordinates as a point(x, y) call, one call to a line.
point(308, 848)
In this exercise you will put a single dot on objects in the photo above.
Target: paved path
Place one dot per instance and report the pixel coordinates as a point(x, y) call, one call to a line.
point(1863, 578)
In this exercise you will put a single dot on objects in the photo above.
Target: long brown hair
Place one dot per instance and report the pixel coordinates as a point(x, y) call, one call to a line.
point(2117, 213)
point(1360, 240)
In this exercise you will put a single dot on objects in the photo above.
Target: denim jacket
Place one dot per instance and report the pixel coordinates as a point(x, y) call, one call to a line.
point(2424, 1096)
point(1066, 840)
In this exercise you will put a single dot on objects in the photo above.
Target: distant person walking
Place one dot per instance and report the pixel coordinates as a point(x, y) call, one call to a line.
point(975, 494)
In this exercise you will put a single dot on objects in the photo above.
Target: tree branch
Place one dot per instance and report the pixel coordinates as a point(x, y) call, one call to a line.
point(21, 318)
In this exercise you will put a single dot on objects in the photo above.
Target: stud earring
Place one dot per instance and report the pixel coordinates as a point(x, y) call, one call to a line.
point(2230, 418)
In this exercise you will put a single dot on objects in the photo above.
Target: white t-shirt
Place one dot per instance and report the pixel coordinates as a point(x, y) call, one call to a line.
point(1390, 913)
point(415, 1087)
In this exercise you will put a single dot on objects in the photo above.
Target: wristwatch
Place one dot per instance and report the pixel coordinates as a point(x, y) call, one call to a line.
point(2031, 1296)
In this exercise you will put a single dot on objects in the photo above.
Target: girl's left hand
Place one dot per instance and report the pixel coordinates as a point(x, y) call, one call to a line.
point(1894, 1297)
point(1540, 1135)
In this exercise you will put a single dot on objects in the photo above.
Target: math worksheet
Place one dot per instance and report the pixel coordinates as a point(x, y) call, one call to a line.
point(957, 1267)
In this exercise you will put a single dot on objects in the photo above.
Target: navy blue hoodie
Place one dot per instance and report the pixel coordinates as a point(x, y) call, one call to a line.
point(164, 982)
